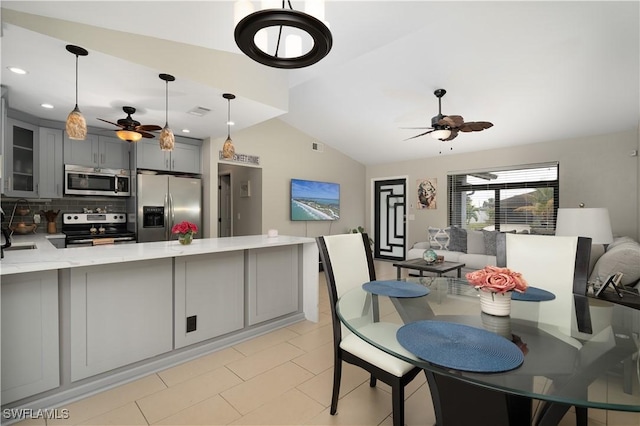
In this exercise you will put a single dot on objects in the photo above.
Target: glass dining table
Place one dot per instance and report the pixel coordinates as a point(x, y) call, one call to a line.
point(574, 351)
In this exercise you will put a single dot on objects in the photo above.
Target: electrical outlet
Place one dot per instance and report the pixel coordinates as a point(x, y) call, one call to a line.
point(191, 323)
point(36, 218)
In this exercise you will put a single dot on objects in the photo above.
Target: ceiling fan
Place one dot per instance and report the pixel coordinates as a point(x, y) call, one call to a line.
point(131, 130)
point(446, 127)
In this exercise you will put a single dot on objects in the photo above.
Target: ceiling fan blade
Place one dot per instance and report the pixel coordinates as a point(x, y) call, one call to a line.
point(451, 121)
point(119, 125)
point(475, 126)
point(145, 134)
point(454, 133)
point(416, 128)
point(421, 134)
point(148, 127)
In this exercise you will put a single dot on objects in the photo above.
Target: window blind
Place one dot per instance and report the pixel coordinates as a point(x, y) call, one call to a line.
point(523, 198)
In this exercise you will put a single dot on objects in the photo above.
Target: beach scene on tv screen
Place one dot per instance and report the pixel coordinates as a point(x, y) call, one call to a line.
point(311, 200)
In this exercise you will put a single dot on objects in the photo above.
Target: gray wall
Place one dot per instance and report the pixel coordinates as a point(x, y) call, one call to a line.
point(599, 171)
point(286, 153)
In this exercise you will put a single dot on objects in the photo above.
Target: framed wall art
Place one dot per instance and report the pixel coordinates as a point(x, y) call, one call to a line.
point(427, 193)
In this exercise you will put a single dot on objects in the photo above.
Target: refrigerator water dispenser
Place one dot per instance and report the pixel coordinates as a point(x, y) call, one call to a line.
point(153, 217)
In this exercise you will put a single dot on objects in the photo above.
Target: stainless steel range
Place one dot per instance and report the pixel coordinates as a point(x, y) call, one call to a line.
point(92, 229)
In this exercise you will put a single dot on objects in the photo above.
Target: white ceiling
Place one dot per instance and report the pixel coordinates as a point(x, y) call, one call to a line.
point(538, 71)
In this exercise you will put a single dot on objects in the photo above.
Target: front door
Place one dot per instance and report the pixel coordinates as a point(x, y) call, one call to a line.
point(389, 219)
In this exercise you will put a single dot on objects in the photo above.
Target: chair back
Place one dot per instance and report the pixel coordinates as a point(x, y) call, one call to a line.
point(347, 262)
point(554, 263)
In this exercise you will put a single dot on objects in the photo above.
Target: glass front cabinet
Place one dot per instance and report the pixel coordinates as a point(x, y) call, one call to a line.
point(21, 159)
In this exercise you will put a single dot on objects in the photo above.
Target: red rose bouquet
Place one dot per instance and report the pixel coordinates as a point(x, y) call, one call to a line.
point(497, 280)
point(184, 228)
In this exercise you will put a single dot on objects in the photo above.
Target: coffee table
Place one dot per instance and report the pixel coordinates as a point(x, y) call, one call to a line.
point(422, 266)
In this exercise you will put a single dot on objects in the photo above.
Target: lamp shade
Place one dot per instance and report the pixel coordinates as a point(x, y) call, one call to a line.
point(585, 222)
point(441, 134)
point(167, 139)
point(129, 135)
point(76, 125)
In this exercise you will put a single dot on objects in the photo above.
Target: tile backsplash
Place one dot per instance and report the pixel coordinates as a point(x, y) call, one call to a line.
point(65, 205)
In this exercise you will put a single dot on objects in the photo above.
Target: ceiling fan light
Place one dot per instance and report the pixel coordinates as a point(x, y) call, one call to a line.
point(128, 135)
point(76, 125)
point(441, 134)
point(167, 139)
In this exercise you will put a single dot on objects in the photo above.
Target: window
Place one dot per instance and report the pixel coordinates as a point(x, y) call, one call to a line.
point(521, 198)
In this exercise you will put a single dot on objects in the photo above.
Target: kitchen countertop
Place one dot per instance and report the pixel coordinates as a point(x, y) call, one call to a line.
point(47, 257)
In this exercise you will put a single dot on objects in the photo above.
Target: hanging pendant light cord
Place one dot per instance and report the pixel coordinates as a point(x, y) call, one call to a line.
point(76, 81)
point(228, 118)
point(280, 30)
point(166, 103)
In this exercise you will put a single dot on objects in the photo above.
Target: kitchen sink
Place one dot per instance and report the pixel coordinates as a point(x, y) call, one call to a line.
point(21, 247)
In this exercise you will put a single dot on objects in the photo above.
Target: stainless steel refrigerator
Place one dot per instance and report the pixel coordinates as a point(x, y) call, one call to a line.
point(165, 200)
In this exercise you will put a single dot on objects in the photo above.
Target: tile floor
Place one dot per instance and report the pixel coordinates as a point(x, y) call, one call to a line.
point(281, 378)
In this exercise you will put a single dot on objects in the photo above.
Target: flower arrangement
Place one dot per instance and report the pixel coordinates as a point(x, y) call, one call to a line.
point(184, 228)
point(185, 231)
point(497, 280)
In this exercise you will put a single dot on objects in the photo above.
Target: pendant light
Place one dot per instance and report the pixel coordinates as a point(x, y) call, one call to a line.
point(228, 151)
point(249, 28)
point(167, 140)
point(76, 125)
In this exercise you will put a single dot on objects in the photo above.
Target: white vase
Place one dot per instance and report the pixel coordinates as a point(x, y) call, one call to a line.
point(498, 304)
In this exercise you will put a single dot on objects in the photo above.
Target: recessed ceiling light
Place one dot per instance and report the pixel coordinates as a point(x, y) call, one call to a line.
point(17, 70)
point(48, 106)
point(185, 130)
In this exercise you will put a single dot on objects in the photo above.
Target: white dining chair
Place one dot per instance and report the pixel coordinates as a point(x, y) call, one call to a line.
point(348, 263)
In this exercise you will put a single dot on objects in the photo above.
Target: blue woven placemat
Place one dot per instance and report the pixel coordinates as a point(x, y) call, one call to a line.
point(460, 346)
point(533, 294)
point(395, 288)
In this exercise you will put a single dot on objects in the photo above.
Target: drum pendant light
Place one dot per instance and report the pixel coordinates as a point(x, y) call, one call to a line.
point(248, 29)
point(167, 140)
point(228, 150)
point(76, 125)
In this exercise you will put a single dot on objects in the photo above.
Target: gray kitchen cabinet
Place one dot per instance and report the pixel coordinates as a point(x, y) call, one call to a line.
point(185, 156)
point(30, 352)
point(97, 151)
point(21, 159)
point(209, 296)
point(119, 314)
point(273, 283)
point(51, 176)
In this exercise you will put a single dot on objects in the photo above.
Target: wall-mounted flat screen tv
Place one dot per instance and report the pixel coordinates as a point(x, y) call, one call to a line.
point(313, 200)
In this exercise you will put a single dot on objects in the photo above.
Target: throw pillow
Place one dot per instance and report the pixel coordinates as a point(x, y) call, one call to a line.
point(490, 241)
point(439, 238)
point(458, 240)
point(475, 242)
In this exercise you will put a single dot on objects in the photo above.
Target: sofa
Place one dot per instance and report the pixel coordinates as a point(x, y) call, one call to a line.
point(477, 249)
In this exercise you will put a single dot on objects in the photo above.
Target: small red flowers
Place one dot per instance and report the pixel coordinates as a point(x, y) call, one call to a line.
point(183, 228)
point(497, 280)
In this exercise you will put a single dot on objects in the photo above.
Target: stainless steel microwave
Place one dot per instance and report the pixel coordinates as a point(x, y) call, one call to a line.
point(82, 180)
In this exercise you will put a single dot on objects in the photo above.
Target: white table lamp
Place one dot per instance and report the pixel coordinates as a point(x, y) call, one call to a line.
point(585, 222)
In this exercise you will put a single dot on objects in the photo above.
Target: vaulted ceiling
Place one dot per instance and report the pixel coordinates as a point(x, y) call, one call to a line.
point(538, 71)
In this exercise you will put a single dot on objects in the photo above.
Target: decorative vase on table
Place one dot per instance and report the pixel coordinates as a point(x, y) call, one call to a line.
point(498, 304)
point(429, 256)
point(495, 285)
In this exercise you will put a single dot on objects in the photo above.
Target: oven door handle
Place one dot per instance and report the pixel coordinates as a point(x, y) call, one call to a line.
point(90, 240)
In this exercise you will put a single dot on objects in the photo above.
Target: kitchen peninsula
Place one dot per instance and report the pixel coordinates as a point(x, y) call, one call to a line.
point(78, 320)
